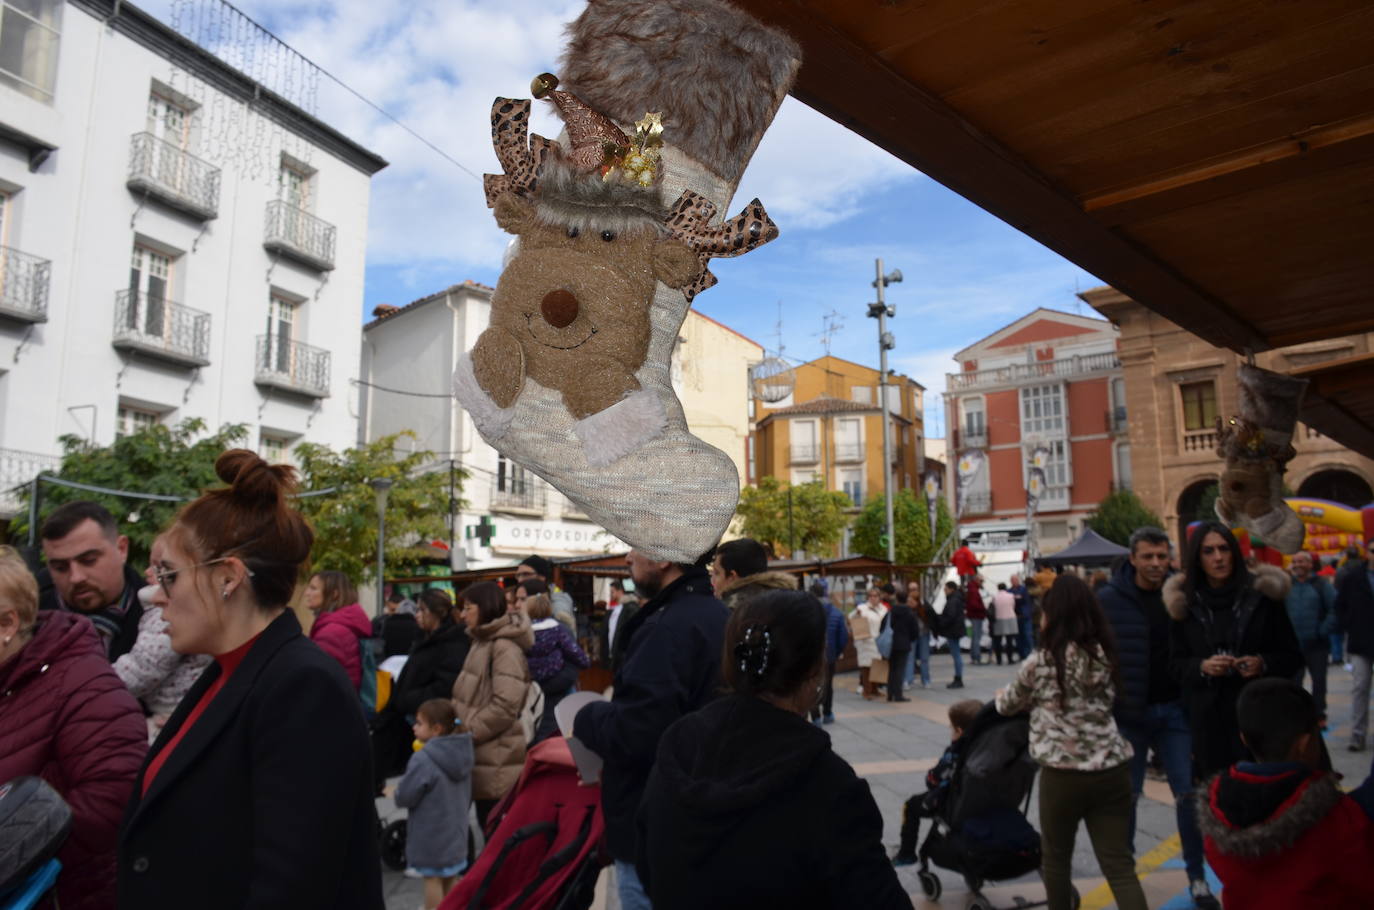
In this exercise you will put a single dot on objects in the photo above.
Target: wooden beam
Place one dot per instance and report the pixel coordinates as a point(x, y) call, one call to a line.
point(852, 86)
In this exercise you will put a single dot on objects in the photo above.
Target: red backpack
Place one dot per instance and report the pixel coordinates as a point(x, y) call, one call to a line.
point(543, 849)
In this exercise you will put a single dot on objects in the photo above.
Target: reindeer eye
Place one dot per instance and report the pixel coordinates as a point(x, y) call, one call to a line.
point(608, 236)
point(573, 232)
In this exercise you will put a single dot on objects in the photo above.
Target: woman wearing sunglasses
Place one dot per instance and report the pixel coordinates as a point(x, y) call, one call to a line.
point(257, 793)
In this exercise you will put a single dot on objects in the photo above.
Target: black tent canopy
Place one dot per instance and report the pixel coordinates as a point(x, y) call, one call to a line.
point(1091, 549)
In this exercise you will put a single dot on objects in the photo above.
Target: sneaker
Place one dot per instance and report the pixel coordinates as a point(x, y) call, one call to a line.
point(1202, 896)
point(900, 860)
point(957, 684)
point(412, 872)
point(1356, 747)
point(828, 719)
point(816, 721)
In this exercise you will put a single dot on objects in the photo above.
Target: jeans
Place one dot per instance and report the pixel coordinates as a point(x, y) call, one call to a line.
point(1102, 800)
point(958, 658)
point(1023, 634)
point(896, 668)
point(1165, 727)
point(975, 643)
point(1315, 658)
point(826, 703)
point(923, 655)
point(1338, 647)
point(1359, 699)
point(627, 884)
point(909, 676)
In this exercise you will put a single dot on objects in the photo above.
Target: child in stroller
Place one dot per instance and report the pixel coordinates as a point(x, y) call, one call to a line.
point(927, 804)
point(980, 828)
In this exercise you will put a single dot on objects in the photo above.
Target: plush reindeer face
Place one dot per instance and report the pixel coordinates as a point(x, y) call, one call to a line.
point(571, 294)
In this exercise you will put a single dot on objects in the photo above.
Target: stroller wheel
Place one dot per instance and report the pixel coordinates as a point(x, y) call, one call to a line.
point(980, 903)
point(930, 885)
point(393, 845)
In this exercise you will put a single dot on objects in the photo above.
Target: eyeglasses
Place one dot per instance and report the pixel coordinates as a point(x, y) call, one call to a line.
point(167, 578)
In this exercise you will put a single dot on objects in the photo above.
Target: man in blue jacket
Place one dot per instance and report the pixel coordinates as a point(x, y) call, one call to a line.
point(1149, 710)
point(670, 667)
point(1355, 612)
point(836, 639)
point(1311, 609)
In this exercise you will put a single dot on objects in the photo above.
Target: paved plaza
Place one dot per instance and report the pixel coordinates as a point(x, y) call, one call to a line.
point(892, 746)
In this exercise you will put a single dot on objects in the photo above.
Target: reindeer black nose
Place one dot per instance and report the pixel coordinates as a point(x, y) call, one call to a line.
point(559, 308)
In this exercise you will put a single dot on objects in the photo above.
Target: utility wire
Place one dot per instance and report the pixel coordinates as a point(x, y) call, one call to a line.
point(382, 388)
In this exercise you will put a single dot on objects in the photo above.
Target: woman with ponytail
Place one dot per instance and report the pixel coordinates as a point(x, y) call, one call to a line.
point(747, 806)
point(258, 792)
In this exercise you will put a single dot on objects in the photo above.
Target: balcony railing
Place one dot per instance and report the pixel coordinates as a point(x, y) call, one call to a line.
point(292, 367)
point(18, 468)
point(300, 235)
point(847, 452)
point(1055, 498)
point(973, 439)
point(1011, 374)
point(24, 285)
point(573, 510)
point(148, 324)
point(523, 494)
point(1116, 420)
point(173, 176)
point(976, 503)
point(1199, 440)
point(803, 454)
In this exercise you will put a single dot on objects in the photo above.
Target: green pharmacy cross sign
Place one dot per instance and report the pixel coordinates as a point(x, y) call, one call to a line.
point(484, 530)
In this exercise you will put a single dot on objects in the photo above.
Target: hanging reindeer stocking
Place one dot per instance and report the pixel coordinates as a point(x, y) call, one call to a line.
point(1257, 445)
point(665, 103)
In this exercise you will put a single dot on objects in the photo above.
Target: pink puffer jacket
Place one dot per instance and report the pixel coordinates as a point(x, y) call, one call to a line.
point(66, 717)
point(338, 633)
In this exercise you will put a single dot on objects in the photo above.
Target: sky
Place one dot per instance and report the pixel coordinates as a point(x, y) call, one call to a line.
point(839, 201)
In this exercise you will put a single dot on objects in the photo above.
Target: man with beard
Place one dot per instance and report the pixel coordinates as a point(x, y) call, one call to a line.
point(667, 659)
point(87, 573)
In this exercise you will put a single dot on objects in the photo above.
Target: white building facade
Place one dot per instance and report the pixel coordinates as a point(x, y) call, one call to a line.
point(177, 239)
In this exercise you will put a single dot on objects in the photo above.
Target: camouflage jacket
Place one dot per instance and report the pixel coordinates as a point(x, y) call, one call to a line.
point(1081, 737)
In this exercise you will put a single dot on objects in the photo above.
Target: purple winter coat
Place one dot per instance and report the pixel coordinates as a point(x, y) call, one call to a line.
point(66, 717)
point(553, 647)
point(338, 633)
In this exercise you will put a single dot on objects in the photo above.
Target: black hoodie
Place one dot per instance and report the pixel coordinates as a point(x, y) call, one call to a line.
point(748, 807)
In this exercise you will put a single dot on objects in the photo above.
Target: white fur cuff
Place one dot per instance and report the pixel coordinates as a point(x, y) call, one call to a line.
point(492, 421)
point(623, 427)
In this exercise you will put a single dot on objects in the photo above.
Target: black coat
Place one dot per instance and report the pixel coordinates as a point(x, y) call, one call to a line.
point(952, 624)
point(1260, 628)
point(267, 801)
point(670, 668)
point(748, 807)
point(905, 630)
point(1355, 610)
point(399, 632)
point(434, 663)
point(1125, 610)
point(123, 641)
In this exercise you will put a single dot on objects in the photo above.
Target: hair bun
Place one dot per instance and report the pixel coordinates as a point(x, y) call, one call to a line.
point(251, 478)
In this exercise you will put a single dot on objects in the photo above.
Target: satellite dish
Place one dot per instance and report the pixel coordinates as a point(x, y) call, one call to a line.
point(772, 380)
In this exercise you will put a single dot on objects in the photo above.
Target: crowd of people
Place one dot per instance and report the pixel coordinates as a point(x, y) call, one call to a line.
point(214, 753)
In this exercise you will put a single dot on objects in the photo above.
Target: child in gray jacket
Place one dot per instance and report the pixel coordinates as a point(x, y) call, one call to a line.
point(436, 790)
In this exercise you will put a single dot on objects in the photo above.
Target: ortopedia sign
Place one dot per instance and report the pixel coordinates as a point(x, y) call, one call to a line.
point(550, 535)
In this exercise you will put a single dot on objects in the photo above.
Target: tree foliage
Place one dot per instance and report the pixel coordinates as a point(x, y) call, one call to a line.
point(1117, 517)
point(345, 521)
point(911, 523)
point(169, 461)
point(817, 520)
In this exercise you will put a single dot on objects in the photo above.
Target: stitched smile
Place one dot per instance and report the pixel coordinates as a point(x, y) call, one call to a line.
point(529, 327)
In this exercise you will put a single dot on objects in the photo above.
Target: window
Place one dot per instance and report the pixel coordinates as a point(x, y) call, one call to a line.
point(293, 184)
point(852, 482)
point(1123, 467)
point(975, 421)
point(4, 219)
point(274, 449)
point(1199, 405)
point(131, 420)
point(1057, 464)
point(803, 439)
point(168, 121)
point(849, 439)
point(863, 394)
point(281, 322)
point(510, 477)
point(29, 32)
point(150, 279)
point(1042, 409)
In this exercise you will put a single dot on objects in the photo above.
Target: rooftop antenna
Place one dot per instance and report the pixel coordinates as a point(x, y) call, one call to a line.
point(831, 324)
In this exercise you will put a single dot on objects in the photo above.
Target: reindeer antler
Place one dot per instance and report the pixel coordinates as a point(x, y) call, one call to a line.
point(522, 156)
point(689, 221)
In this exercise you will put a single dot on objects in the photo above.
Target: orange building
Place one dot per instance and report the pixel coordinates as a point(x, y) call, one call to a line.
point(830, 428)
point(1050, 381)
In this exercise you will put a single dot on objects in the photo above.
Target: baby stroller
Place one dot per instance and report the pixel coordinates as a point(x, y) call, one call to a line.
point(34, 824)
point(981, 830)
point(543, 841)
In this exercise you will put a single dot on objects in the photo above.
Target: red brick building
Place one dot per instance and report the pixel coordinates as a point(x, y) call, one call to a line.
point(1050, 381)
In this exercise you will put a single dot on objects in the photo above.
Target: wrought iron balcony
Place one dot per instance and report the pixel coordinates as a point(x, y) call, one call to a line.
point(803, 454)
point(173, 176)
point(973, 439)
point(24, 286)
point(300, 235)
point(18, 468)
point(1016, 373)
point(522, 494)
point(846, 452)
point(292, 367)
point(979, 503)
point(150, 325)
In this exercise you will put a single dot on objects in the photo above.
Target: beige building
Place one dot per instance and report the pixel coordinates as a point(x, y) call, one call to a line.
point(711, 378)
point(1177, 385)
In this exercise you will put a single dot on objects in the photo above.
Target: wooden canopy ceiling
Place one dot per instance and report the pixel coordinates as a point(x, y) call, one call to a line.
point(1212, 159)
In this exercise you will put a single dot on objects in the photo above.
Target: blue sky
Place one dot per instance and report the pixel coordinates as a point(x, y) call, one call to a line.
point(839, 201)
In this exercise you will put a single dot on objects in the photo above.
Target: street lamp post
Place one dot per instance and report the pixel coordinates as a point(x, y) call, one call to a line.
point(881, 311)
point(382, 487)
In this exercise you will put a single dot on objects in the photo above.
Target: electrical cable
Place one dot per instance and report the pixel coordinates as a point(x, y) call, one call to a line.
point(382, 388)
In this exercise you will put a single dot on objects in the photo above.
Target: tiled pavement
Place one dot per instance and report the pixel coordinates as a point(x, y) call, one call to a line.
point(892, 745)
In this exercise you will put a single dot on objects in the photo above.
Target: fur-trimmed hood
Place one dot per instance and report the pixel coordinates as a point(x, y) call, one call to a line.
point(1254, 811)
point(747, 587)
point(1270, 581)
